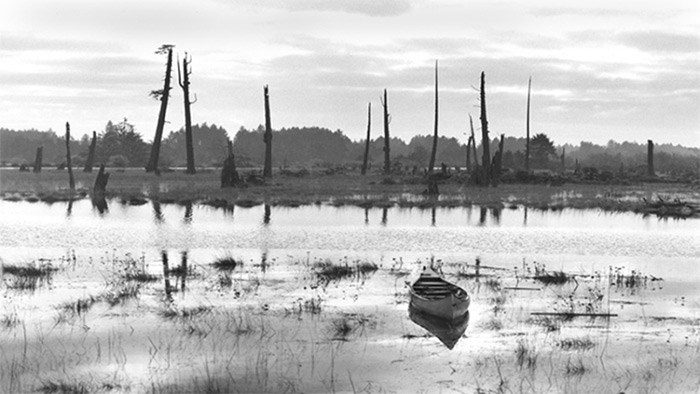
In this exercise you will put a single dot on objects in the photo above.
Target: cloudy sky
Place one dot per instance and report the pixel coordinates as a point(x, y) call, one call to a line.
point(601, 70)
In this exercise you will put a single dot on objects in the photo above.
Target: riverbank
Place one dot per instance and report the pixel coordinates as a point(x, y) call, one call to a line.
point(133, 186)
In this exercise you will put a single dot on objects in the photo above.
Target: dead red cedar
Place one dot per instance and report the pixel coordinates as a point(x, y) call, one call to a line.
point(71, 180)
point(650, 158)
point(184, 82)
point(91, 154)
point(267, 170)
point(431, 165)
point(473, 137)
point(469, 159)
point(527, 128)
point(486, 159)
point(101, 182)
point(369, 124)
point(152, 165)
point(387, 120)
point(38, 159)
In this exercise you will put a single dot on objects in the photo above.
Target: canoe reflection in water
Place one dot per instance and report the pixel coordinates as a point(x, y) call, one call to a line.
point(448, 331)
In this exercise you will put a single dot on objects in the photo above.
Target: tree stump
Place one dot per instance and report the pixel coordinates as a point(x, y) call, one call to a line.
point(229, 175)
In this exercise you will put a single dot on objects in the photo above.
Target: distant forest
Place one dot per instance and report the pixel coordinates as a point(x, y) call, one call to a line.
point(118, 145)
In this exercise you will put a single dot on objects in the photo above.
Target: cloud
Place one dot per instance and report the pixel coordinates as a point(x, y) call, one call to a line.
point(18, 42)
point(380, 8)
point(658, 41)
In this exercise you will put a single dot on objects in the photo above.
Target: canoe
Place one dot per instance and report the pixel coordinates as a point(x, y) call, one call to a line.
point(447, 331)
point(433, 295)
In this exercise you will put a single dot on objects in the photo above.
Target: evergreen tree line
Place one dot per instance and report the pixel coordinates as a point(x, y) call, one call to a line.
point(119, 145)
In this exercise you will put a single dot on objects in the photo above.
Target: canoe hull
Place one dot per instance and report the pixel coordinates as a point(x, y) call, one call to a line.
point(433, 295)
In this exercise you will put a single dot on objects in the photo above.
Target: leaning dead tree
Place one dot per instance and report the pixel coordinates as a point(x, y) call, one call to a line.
point(469, 158)
point(435, 134)
point(267, 170)
point(369, 124)
point(527, 128)
point(473, 138)
point(71, 180)
point(184, 82)
point(387, 120)
point(101, 180)
point(91, 154)
point(650, 158)
point(38, 159)
point(163, 96)
point(486, 158)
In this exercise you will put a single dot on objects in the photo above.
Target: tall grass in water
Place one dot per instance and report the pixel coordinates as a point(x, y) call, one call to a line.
point(29, 277)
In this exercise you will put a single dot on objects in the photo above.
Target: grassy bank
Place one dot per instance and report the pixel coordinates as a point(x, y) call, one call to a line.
point(373, 190)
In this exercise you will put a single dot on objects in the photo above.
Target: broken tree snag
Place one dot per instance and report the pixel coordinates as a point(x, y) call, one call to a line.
point(267, 170)
point(650, 158)
point(527, 128)
point(431, 165)
point(473, 137)
point(101, 180)
point(184, 82)
point(163, 96)
point(497, 162)
point(486, 158)
point(91, 153)
point(469, 159)
point(71, 180)
point(38, 159)
point(229, 174)
point(387, 120)
point(369, 124)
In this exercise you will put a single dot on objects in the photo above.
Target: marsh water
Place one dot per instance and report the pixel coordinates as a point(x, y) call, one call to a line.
point(276, 322)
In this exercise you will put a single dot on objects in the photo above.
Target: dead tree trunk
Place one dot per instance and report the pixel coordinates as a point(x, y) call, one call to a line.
point(497, 161)
point(100, 187)
point(476, 158)
point(650, 158)
point(163, 95)
point(229, 144)
point(435, 135)
point(527, 128)
point(387, 120)
point(184, 83)
point(486, 159)
point(38, 159)
point(229, 174)
point(469, 158)
point(91, 154)
point(267, 170)
point(71, 180)
point(369, 124)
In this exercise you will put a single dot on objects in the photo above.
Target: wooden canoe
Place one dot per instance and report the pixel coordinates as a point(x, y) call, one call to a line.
point(433, 295)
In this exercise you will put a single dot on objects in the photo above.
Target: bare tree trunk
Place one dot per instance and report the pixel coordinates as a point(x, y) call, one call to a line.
point(435, 135)
point(71, 180)
point(152, 165)
point(38, 159)
point(267, 170)
point(486, 159)
point(497, 161)
point(650, 158)
point(473, 137)
point(387, 120)
point(91, 154)
point(527, 128)
point(184, 83)
point(469, 159)
point(369, 124)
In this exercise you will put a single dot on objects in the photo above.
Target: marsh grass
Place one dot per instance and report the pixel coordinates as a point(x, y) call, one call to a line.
point(327, 271)
point(575, 343)
point(525, 355)
point(28, 277)
point(553, 278)
point(226, 263)
point(343, 327)
point(173, 313)
point(9, 321)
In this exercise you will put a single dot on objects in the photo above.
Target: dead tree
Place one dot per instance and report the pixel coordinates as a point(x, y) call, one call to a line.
point(38, 159)
point(473, 138)
point(229, 174)
point(527, 128)
point(100, 187)
point(387, 120)
point(486, 159)
point(435, 135)
point(369, 124)
point(469, 159)
point(163, 96)
point(71, 180)
point(184, 82)
point(267, 170)
point(497, 164)
point(91, 154)
point(650, 158)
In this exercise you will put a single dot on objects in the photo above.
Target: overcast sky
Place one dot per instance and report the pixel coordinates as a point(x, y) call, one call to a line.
point(601, 70)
